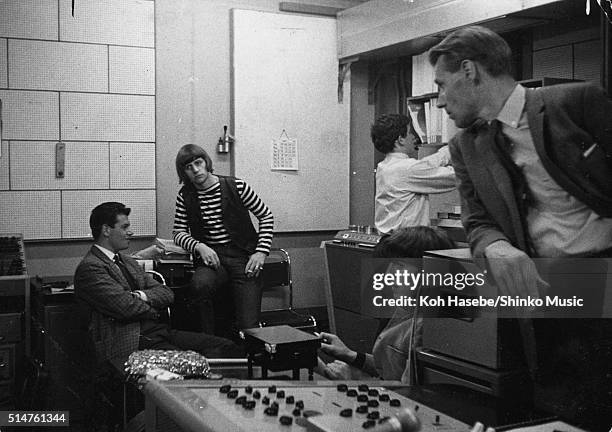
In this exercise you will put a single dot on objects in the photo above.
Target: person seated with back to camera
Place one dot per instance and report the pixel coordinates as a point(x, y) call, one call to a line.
point(392, 354)
point(212, 221)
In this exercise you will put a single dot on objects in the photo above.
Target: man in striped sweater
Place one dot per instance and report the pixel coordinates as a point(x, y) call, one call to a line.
point(212, 222)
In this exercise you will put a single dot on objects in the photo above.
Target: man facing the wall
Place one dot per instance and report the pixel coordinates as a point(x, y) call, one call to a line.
point(403, 183)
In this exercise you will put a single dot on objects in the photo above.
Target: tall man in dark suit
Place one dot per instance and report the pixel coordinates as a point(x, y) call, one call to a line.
point(123, 302)
point(534, 170)
point(548, 193)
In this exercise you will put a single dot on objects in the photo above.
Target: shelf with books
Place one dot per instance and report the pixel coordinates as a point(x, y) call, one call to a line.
point(431, 123)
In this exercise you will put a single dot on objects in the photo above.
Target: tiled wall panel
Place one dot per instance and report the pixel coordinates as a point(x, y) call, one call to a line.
point(86, 78)
point(85, 166)
point(29, 115)
point(35, 214)
point(99, 117)
point(116, 22)
point(132, 164)
point(30, 19)
point(3, 66)
point(41, 65)
point(77, 206)
point(4, 166)
point(548, 36)
point(553, 62)
point(132, 70)
point(587, 61)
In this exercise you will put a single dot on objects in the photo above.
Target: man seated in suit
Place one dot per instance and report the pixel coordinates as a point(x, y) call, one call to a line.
point(122, 302)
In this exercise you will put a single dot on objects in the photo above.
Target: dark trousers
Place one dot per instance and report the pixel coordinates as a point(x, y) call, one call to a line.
point(226, 291)
point(574, 347)
point(163, 338)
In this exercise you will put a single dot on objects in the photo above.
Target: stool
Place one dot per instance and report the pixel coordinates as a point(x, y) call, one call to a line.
point(281, 348)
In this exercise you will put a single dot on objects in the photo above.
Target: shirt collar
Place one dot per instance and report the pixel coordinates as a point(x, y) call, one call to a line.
point(512, 110)
point(398, 155)
point(108, 253)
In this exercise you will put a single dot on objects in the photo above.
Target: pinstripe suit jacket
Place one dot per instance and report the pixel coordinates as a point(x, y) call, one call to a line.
point(113, 313)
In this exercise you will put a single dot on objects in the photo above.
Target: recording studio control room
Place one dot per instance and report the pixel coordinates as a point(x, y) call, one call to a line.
point(306, 215)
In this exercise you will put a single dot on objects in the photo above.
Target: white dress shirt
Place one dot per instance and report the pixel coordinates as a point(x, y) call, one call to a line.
point(403, 185)
point(558, 223)
point(111, 255)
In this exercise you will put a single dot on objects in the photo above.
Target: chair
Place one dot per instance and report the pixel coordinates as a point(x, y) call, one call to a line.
point(166, 315)
point(277, 273)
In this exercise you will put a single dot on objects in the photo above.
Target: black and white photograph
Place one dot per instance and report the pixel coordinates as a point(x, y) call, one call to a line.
point(306, 215)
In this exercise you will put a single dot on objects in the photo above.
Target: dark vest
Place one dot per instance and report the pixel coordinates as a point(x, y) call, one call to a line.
point(234, 214)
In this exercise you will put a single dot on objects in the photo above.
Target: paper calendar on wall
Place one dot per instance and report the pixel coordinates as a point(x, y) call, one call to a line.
point(284, 154)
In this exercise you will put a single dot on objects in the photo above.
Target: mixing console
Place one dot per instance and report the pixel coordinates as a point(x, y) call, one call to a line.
point(251, 406)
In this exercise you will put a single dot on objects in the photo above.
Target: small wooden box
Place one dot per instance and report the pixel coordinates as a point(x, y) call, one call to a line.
point(281, 348)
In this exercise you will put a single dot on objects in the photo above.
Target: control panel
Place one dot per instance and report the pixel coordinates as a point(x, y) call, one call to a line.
point(345, 407)
point(355, 239)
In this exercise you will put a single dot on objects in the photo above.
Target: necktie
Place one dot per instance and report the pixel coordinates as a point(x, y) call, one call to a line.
point(128, 276)
point(502, 148)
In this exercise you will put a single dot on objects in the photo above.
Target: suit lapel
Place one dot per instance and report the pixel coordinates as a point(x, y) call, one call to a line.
point(495, 175)
point(535, 116)
point(484, 143)
point(114, 271)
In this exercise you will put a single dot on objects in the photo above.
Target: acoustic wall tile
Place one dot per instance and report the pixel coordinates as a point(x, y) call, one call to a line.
point(77, 205)
point(4, 166)
point(47, 65)
point(30, 19)
point(115, 22)
point(132, 165)
point(33, 165)
point(132, 70)
point(100, 117)
point(29, 115)
point(587, 61)
point(35, 214)
point(557, 34)
point(553, 62)
point(3, 65)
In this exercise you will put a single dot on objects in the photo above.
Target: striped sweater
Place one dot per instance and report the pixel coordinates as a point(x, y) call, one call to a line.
point(210, 207)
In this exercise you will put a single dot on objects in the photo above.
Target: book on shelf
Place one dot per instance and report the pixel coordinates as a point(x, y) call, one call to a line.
point(422, 75)
point(447, 215)
point(417, 115)
point(451, 208)
point(447, 223)
point(431, 123)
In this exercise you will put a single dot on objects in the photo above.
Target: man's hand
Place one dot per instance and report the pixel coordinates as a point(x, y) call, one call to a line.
point(514, 272)
point(141, 295)
point(255, 264)
point(333, 346)
point(338, 370)
point(208, 255)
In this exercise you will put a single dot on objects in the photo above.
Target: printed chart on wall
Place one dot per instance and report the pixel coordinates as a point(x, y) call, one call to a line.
point(291, 131)
point(284, 155)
